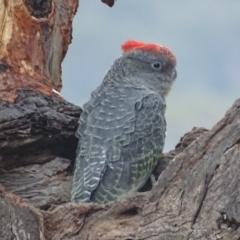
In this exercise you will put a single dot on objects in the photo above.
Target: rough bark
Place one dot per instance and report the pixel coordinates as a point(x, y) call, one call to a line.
point(40, 184)
point(196, 197)
point(34, 38)
point(36, 125)
point(19, 220)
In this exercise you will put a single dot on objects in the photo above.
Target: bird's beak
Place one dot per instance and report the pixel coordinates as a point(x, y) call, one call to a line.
point(174, 74)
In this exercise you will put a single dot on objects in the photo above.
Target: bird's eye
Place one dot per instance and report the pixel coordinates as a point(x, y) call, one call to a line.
point(156, 65)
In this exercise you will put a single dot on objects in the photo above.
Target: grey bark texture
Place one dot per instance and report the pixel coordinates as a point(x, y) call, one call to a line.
point(19, 220)
point(37, 144)
point(196, 196)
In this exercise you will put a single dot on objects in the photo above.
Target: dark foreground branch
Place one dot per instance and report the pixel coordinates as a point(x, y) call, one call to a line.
point(36, 128)
point(37, 147)
point(196, 196)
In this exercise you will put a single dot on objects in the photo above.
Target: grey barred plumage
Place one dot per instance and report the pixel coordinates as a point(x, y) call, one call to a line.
point(122, 128)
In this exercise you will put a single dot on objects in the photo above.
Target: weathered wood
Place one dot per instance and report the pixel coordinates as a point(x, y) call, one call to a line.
point(49, 183)
point(36, 132)
point(37, 128)
point(118, 220)
point(19, 220)
point(196, 197)
point(34, 38)
point(42, 185)
point(184, 142)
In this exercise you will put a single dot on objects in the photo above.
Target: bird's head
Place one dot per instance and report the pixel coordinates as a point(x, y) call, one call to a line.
point(149, 66)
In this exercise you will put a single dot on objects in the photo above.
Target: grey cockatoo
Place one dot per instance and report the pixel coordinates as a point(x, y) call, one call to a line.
point(122, 128)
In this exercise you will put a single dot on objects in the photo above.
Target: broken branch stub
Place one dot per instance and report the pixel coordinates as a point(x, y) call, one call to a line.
point(34, 39)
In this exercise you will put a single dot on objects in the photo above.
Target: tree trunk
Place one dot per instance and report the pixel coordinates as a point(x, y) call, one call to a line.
point(198, 188)
point(37, 126)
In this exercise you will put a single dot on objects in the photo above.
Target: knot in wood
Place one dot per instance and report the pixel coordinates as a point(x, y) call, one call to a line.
point(3, 65)
point(39, 8)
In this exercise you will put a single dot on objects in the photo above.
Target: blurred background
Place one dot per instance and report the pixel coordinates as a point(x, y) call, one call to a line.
point(204, 36)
